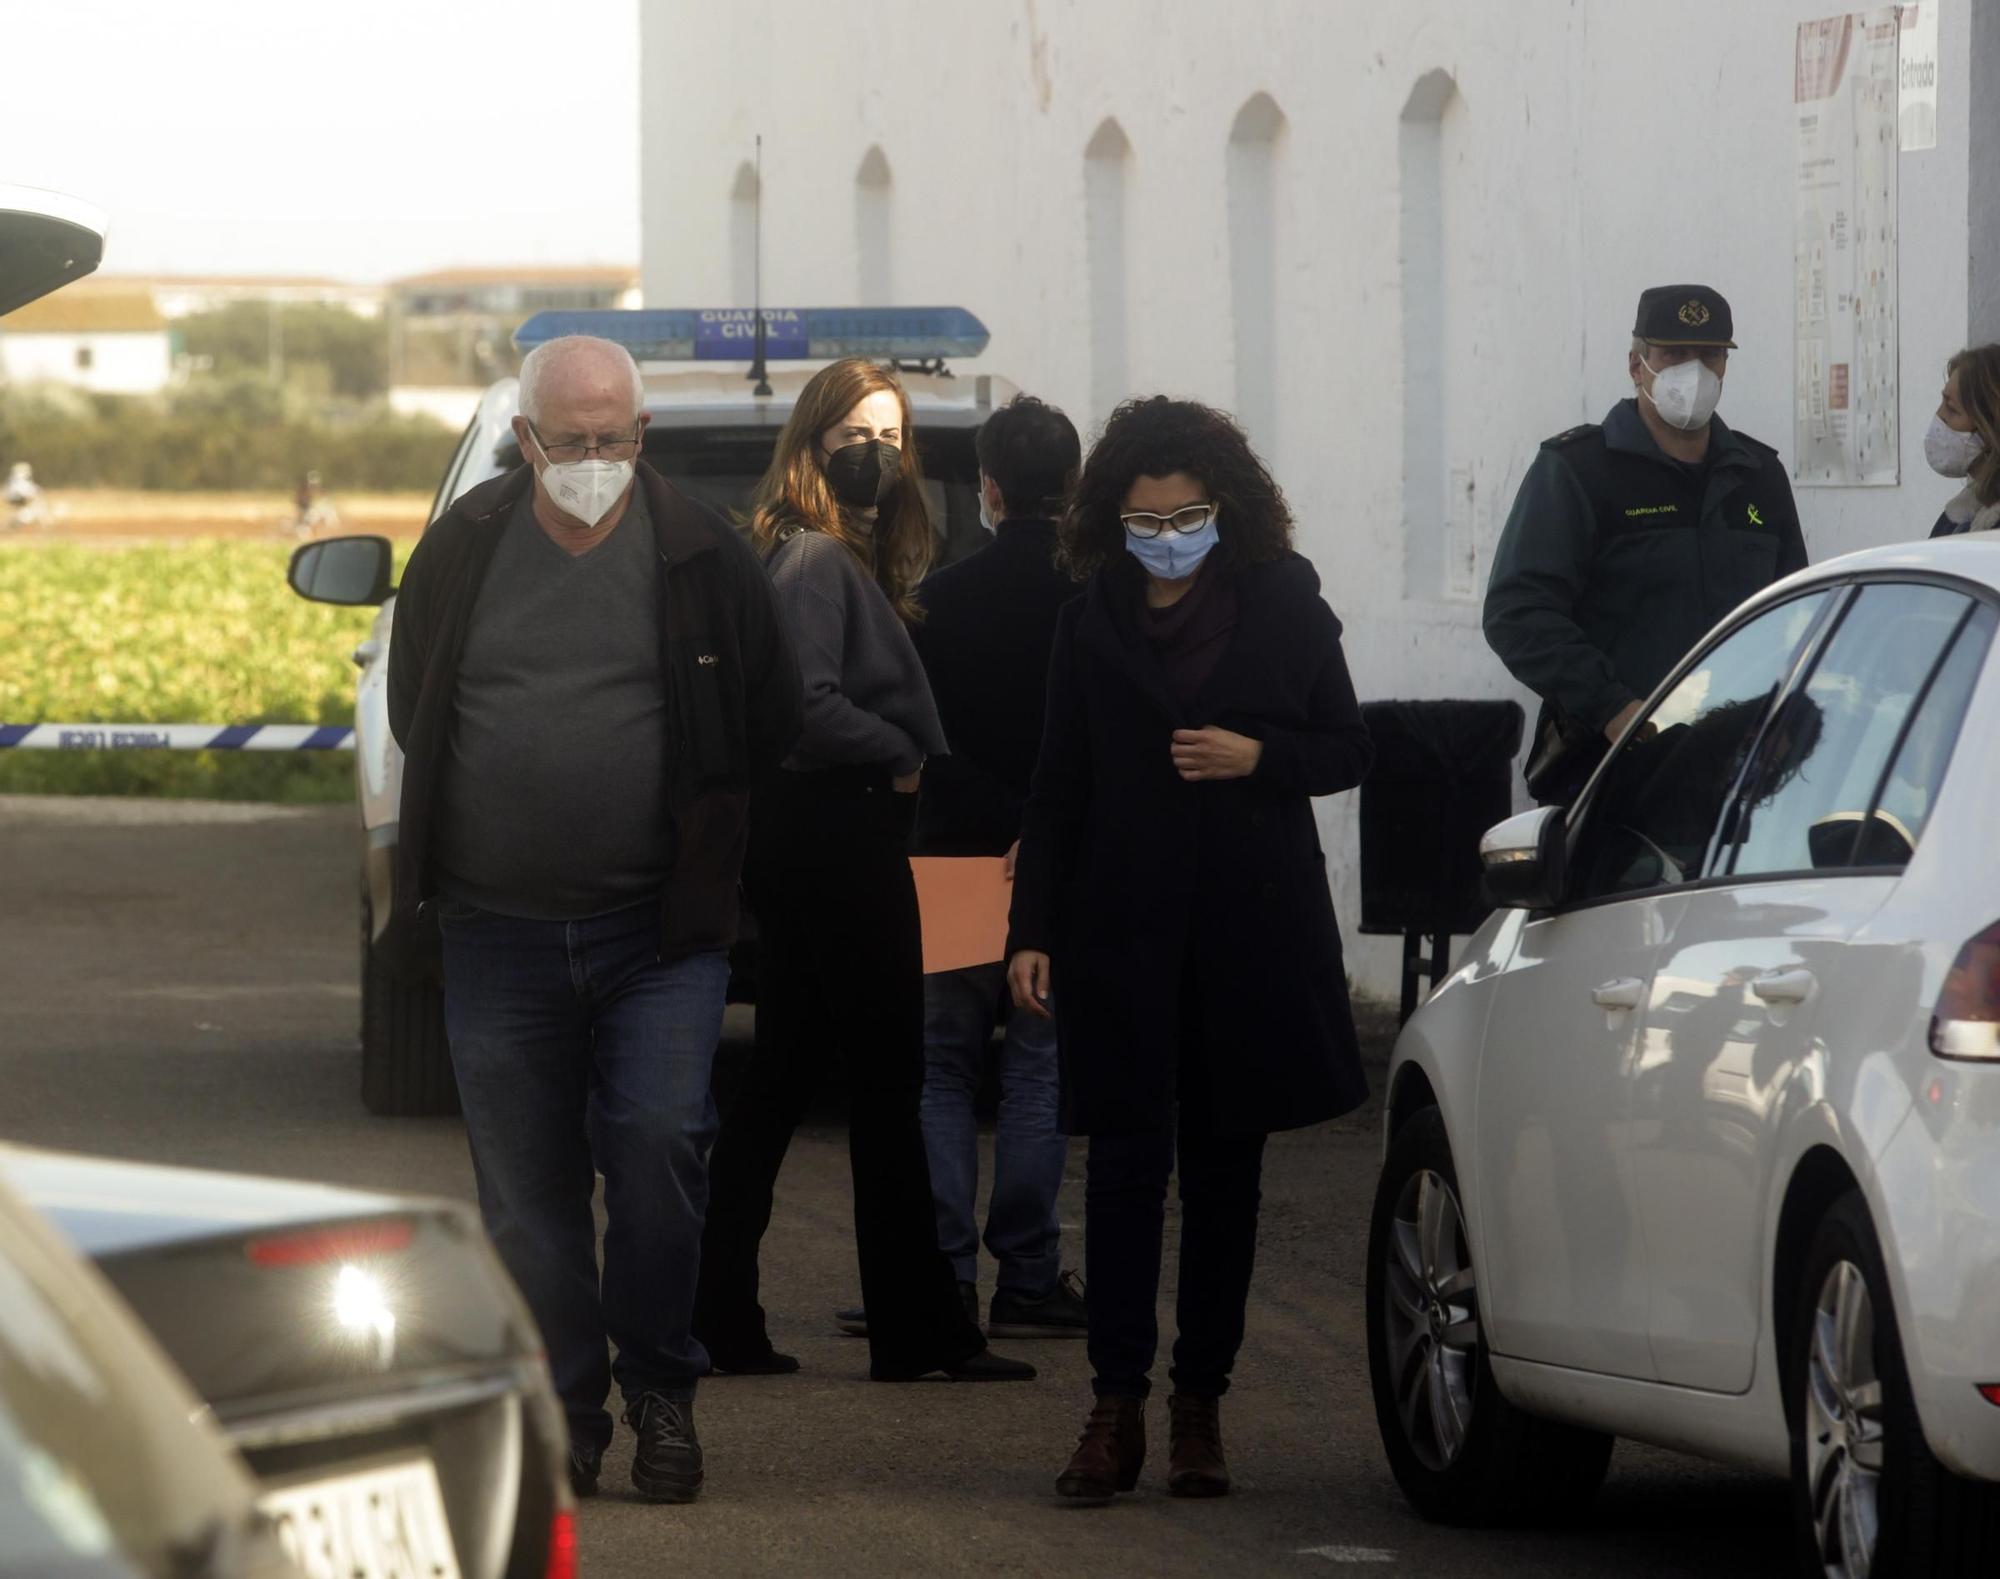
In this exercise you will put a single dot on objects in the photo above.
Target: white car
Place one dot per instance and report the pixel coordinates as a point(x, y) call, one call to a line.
point(1700, 1144)
point(711, 434)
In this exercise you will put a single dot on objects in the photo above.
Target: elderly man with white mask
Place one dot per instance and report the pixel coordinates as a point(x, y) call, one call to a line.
point(586, 674)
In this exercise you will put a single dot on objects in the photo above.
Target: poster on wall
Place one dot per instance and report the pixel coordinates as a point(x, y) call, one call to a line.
point(1917, 77)
point(1844, 250)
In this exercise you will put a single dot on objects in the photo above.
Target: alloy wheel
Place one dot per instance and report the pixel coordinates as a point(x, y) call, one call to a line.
point(1431, 1319)
point(1844, 1425)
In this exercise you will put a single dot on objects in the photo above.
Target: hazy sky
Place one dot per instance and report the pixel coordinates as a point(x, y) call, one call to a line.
point(361, 139)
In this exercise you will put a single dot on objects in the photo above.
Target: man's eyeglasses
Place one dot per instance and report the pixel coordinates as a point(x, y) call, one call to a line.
point(1143, 523)
point(607, 449)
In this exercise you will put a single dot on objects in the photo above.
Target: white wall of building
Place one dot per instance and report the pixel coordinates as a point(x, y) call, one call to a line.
point(136, 362)
point(1403, 241)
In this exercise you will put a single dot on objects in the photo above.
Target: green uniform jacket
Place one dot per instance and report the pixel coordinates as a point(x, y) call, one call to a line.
point(1617, 559)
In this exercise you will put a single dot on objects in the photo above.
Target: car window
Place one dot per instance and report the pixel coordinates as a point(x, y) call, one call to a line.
point(1659, 801)
point(1893, 680)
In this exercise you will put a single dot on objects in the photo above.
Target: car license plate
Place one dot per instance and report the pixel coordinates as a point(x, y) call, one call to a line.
point(384, 1522)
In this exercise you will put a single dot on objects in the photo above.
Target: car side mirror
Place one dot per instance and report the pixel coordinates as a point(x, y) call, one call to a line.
point(351, 571)
point(1524, 860)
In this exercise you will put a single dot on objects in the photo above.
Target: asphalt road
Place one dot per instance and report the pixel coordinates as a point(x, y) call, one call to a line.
point(177, 984)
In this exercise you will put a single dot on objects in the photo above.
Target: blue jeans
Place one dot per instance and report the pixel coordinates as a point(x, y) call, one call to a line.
point(1028, 1150)
point(578, 1052)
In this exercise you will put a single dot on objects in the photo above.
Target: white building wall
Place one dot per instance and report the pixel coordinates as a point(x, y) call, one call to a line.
point(127, 363)
point(1585, 149)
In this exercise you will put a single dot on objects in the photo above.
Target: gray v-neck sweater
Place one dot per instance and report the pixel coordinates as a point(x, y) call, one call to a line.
point(866, 699)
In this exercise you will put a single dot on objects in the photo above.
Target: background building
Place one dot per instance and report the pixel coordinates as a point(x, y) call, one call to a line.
point(110, 343)
point(1403, 242)
point(451, 330)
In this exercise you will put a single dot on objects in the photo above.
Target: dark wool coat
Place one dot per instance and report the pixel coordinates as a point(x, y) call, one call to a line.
point(1194, 951)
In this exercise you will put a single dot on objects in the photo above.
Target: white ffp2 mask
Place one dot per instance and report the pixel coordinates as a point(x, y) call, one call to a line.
point(1685, 395)
point(1950, 452)
point(585, 489)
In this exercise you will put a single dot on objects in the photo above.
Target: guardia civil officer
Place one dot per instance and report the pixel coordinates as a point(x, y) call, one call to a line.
point(1629, 539)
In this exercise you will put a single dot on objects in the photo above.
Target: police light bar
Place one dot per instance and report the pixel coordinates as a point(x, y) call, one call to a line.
point(791, 334)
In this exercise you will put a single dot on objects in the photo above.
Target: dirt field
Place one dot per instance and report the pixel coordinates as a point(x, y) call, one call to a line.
point(117, 516)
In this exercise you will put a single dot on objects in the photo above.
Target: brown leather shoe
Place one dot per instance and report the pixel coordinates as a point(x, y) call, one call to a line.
point(1195, 1466)
point(1109, 1452)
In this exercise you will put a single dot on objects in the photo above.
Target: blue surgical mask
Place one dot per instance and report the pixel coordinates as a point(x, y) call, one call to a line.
point(1174, 556)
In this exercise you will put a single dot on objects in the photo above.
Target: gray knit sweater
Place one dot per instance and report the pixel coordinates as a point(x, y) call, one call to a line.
point(866, 698)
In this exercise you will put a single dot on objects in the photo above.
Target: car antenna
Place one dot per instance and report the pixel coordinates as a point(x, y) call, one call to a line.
point(757, 368)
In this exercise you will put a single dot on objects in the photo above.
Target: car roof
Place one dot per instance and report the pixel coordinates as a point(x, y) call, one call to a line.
point(46, 240)
point(1973, 558)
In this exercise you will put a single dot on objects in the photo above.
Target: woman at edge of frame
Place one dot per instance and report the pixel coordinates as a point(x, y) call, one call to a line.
point(841, 525)
point(1963, 442)
point(1171, 906)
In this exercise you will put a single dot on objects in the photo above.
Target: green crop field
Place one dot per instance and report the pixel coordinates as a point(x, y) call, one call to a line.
point(203, 631)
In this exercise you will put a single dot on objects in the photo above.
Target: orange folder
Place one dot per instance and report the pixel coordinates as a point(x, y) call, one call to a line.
point(963, 901)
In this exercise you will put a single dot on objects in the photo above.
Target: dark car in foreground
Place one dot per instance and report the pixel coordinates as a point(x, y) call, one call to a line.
point(365, 1354)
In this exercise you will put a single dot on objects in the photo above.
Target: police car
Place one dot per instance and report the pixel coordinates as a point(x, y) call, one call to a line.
point(713, 429)
point(1700, 1145)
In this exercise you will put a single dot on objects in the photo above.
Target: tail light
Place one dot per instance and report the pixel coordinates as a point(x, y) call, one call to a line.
point(1966, 1022)
point(345, 1242)
point(1990, 1391)
point(562, 1546)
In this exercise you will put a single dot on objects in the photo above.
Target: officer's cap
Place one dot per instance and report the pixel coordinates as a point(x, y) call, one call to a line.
point(1684, 315)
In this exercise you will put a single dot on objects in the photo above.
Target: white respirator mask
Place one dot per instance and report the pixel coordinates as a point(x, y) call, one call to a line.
point(1950, 452)
point(584, 489)
point(1685, 395)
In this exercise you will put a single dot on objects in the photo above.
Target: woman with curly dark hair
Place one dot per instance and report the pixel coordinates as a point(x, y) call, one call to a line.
point(1171, 907)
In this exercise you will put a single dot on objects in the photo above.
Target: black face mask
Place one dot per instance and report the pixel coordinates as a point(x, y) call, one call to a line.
point(861, 475)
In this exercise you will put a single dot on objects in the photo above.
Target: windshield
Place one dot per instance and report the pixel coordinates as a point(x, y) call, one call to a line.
point(721, 466)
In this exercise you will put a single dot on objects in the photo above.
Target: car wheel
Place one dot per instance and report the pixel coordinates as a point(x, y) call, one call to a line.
point(405, 1060)
point(1867, 1496)
point(1461, 1452)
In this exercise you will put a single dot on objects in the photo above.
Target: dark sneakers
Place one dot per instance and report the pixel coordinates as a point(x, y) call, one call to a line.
point(1109, 1454)
point(1059, 1313)
point(666, 1465)
point(1194, 1432)
point(584, 1466)
point(854, 1320)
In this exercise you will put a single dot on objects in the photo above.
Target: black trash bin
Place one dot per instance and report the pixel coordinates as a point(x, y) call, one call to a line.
point(1443, 775)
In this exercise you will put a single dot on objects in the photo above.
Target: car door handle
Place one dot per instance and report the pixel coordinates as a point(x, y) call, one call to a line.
point(1784, 986)
point(1624, 993)
point(366, 653)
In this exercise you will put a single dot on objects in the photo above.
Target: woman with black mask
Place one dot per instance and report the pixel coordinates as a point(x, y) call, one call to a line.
point(841, 525)
point(1171, 901)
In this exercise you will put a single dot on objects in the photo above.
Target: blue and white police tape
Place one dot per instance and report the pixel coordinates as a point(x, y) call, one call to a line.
point(176, 737)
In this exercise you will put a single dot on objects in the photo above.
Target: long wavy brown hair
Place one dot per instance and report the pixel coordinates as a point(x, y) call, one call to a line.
point(1978, 372)
point(794, 492)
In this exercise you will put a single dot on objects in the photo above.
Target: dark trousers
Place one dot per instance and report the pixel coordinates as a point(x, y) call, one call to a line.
point(1124, 1206)
point(577, 1052)
point(840, 975)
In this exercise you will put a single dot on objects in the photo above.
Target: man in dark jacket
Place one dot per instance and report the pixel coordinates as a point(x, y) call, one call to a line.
point(989, 623)
point(1629, 540)
point(586, 672)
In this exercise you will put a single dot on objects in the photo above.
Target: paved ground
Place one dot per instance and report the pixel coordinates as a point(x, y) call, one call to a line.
point(178, 984)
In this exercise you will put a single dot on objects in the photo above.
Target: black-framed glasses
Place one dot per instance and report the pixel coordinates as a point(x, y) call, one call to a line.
point(606, 449)
point(1143, 523)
